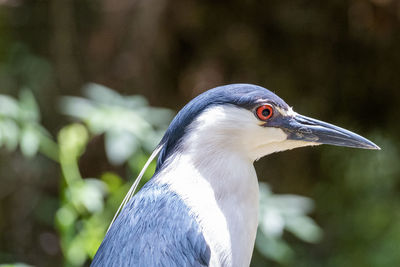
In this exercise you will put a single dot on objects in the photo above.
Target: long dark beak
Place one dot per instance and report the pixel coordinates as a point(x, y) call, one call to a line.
point(299, 127)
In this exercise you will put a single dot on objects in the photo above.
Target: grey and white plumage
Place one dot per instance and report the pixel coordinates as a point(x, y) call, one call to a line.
point(201, 206)
point(152, 241)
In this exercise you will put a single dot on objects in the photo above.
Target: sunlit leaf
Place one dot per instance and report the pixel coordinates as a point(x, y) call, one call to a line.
point(279, 213)
point(30, 141)
point(9, 106)
point(112, 180)
point(120, 145)
point(90, 193)
point(73, 139)
point(121, 118)
point(104, 95)
point(77, 107)
point(292, 204)
point(76, 253)
point(66, 216)
point(93, 233)
point(274, 248)
point(101, 94)
point(28, 106)
point(304, 228)
point(135, 101)
point(159, 117)
point(10, 134)
point(272, 222)
point(16, 265)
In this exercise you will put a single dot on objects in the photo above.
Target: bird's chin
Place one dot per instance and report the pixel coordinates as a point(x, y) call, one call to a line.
point(270, 148)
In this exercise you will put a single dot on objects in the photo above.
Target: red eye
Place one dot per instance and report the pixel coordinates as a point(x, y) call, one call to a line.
point(264, 112)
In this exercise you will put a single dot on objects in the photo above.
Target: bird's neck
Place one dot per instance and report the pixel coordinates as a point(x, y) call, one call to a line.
point(221, 188)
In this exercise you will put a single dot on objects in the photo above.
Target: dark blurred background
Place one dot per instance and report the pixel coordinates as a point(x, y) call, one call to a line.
point(335, 60)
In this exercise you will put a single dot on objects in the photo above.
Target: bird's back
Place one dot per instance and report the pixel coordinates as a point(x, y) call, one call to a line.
point(154, 229)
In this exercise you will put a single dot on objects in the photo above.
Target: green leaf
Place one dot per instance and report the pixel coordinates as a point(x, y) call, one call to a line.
point(76, 253)
point(29, 141)
point(90, 194)
point(272, 223)
point(274, 248)
point(77, 107)
point(304, 228)
point(9, 107)
point(112, 180)
point(279, 213)
point(73, 139)
point(15, 265)
point(103, 95)
point(10, 134)
point(28, 106)
point(66, 217)
point(159, 117)
point(120, 145)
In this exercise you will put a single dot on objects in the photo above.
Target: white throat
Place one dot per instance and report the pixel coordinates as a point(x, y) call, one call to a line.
point(222, 194)
point(213, 172)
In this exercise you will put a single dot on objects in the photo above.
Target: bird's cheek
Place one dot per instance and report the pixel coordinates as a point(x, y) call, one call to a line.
point(263, 137)
point(272, 135)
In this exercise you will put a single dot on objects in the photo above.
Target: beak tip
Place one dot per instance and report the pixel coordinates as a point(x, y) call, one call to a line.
point(375, 147)
point(371, 146)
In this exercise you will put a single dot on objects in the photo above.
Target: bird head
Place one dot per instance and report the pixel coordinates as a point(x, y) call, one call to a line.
point(249, 120)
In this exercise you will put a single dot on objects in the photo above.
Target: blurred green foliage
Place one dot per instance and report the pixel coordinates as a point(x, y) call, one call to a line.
point(20, 125)
point(126, 122)
point(279, 213)
point(333, 60)
point(15, 265)
point(131, 128)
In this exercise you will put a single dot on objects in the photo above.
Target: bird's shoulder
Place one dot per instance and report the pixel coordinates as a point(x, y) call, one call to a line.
point(154, 229)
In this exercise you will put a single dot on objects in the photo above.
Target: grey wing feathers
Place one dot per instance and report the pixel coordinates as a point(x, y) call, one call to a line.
point(154, 229)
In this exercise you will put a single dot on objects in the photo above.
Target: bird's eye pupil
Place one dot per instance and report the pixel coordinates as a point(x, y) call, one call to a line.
point(266, 112)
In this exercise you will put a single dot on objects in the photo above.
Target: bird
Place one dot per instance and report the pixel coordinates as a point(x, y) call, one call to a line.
point(200, 208)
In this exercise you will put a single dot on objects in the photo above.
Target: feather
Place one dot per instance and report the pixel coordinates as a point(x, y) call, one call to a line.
point(135, 184)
